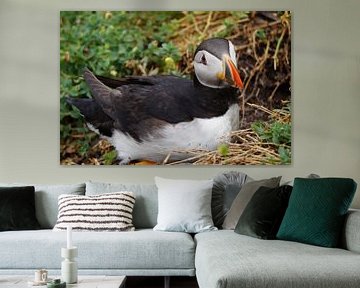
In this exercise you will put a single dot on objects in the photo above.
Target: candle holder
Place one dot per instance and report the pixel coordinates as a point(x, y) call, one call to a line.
point(69, 272)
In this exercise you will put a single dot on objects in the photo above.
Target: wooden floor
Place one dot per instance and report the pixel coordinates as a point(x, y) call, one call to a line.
point(158, 282)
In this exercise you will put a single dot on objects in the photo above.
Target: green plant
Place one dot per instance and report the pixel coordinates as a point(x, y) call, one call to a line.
point(223, 149)
point(109, 157)
point(277, 133)
point(274, 132)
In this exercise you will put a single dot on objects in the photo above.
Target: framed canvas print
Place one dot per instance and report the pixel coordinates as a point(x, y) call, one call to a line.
point(175, 88)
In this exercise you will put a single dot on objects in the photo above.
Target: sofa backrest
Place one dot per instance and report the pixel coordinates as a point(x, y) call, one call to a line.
point(146, 203)
point(46, 200)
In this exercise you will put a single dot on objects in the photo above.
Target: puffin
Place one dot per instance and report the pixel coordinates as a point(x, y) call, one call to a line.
point(164, 116)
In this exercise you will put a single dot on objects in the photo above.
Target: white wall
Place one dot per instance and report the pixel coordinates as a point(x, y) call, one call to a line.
point(326, 85)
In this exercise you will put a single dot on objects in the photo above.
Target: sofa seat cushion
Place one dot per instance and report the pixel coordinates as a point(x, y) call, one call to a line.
point(142, 249)
point(226, 259)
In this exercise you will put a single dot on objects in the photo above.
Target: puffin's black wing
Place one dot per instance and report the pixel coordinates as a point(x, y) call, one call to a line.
point(138, 105)
point(134, 99)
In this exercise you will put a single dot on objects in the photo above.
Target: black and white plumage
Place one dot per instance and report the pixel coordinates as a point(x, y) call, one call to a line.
point(150, 117)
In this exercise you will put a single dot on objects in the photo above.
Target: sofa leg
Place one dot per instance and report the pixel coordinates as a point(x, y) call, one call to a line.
point(167, 282)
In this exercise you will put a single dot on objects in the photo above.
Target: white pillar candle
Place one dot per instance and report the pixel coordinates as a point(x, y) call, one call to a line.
point(69, 237)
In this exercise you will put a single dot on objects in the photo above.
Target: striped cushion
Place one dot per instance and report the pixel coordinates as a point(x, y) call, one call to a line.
point(105, 212)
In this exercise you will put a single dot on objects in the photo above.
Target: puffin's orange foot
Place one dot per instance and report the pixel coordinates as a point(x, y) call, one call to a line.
point(145, 163)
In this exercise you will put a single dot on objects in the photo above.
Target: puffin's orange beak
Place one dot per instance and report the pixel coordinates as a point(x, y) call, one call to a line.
point(232, 75)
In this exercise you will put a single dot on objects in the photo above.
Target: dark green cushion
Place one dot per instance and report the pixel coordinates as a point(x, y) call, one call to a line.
point(263, 215)
point(316, 211)
point(17, 208)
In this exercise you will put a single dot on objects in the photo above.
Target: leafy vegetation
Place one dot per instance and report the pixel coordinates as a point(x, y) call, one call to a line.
point(110, 44)
point(278, 133)
point(120, 43)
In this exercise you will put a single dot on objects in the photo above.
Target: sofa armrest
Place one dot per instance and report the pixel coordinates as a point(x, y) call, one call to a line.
point(351, 234)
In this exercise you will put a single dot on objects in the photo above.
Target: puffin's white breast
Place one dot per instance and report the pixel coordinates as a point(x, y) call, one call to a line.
point(177, 138)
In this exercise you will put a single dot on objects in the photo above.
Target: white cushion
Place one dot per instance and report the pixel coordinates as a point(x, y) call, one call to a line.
point(184, 205)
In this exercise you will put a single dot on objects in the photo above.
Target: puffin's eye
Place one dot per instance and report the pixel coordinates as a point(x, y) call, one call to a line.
point(203, 60)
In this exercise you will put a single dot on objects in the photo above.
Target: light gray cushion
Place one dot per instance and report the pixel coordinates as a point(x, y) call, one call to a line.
point(146, 204)
point(351, 231)
point(105, 212)
point(46, 200)
point(137, 250)
point(225, 259)
point(184, 205)
point(243, 198)
point(226, 187)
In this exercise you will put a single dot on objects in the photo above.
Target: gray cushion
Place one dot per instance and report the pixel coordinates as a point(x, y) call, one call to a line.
point(351, 235)
point(184, 205)
point(226, 187)
point(311, 176)
point(146, 204)
point(46, 200)
point(247, 262)
point(143, 249)
point(243, 198)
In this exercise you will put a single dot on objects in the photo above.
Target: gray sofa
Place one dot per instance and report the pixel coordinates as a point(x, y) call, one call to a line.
point(218, 259)
point(226, 259)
